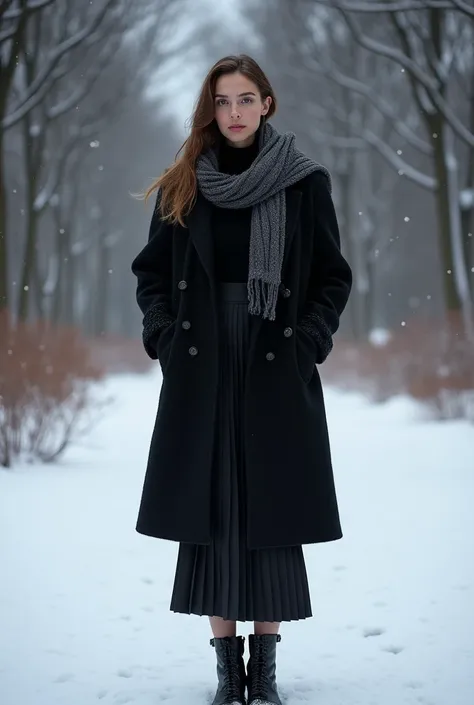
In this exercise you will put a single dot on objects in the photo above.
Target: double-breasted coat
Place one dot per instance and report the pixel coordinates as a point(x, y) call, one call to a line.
point(291, 497)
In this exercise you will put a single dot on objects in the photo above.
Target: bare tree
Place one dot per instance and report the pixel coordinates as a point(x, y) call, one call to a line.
point(16, 18)
point(63, 81)
point(431, 44)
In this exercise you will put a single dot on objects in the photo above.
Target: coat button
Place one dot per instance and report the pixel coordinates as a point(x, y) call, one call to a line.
point(286, 293)
point(182, 285)
point(186, 325)
point(288, 332)
point(193, 350)
point(270, 356)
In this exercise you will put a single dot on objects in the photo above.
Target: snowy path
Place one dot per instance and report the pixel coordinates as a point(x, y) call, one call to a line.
point(84, 600)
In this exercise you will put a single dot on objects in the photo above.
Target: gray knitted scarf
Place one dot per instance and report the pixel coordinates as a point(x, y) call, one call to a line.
point(278, 164)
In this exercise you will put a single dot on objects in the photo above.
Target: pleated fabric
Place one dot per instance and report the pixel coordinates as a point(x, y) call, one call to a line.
point(226, 579)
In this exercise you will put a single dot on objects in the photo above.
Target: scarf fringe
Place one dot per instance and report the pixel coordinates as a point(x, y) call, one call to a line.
point(263, 297)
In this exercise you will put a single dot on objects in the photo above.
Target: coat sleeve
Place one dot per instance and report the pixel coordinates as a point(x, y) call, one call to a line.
point(330, 280)
point(153, 269)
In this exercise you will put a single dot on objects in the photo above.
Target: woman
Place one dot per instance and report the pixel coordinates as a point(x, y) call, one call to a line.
point(241, 284)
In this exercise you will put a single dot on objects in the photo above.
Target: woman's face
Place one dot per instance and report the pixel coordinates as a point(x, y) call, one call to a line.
point(238, 103)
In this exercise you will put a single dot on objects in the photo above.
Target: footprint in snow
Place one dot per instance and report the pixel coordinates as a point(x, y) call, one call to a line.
point(339, 567)
point(101, 694)
point(64, 677)
point(124, 673)
point(147, 608)
point(373, 631)
point(414, 684)
point(147, 581)
point(393, 649)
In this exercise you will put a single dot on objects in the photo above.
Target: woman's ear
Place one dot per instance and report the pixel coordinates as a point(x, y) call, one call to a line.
point(266, 105)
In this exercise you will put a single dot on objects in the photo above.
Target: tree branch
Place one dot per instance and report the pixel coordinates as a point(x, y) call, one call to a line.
point(464, 7)
point(40, 85)
point(423, 80)
point(31, 7)
point(7, 71)
point(4, 5)
point(87, 81)
point(380, 104)
point(418, 177)
point(401, 6)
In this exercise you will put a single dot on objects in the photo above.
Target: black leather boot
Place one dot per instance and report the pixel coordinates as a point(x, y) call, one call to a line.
point(230, 670)
point(261, 670)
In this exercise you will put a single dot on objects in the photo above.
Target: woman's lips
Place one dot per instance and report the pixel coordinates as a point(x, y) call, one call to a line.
point(237, 128)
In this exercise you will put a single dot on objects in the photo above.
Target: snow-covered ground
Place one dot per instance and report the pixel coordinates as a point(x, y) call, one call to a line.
point(84, 599)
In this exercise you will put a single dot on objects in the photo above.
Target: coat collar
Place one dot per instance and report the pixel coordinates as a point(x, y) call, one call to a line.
point(199, 223)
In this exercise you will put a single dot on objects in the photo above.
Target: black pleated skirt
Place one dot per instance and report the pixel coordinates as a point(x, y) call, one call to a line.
point(226, 579)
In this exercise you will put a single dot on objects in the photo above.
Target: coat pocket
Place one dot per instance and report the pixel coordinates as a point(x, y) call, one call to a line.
point(306, 354)
point(163, 346)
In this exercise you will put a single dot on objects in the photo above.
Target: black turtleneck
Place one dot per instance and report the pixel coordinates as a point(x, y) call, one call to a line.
point(231, 227)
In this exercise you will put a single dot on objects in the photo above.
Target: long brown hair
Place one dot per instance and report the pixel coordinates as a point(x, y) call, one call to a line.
point(178, 182)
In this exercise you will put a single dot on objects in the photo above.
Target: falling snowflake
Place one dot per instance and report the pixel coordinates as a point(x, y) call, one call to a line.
point(406, 219)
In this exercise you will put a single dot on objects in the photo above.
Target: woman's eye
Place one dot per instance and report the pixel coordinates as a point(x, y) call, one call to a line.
point(221, 101)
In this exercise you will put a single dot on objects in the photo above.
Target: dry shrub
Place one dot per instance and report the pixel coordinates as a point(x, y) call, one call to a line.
point(45, 381)
point(429, 360)
point(118, 355)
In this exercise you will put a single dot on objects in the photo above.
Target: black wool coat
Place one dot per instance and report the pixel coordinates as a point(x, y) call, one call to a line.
point(291, 497)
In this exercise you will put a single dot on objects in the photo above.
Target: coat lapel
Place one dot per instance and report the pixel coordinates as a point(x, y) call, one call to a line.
point(200, 229)
point(293, 204)
point(200, 232)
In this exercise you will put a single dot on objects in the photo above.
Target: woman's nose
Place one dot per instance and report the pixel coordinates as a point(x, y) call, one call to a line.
point(235, 112)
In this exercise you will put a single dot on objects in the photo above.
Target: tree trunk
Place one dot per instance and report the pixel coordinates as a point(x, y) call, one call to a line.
point(62, 253)
point(467, 214)
point(344, 180)
point(467, 224)
point(102, 287)
point(451, 296)
point(32, 171)
point(3, 229)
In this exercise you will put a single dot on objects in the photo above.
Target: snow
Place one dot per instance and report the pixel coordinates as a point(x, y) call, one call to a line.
point(466, 199)
point(380, 337)
point(84, 599)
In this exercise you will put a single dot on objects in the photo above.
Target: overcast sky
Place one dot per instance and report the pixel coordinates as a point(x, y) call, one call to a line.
point(184, 74)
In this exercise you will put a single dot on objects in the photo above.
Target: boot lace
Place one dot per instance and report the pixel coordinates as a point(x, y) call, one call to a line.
point(231, 680)
point(259, 675)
